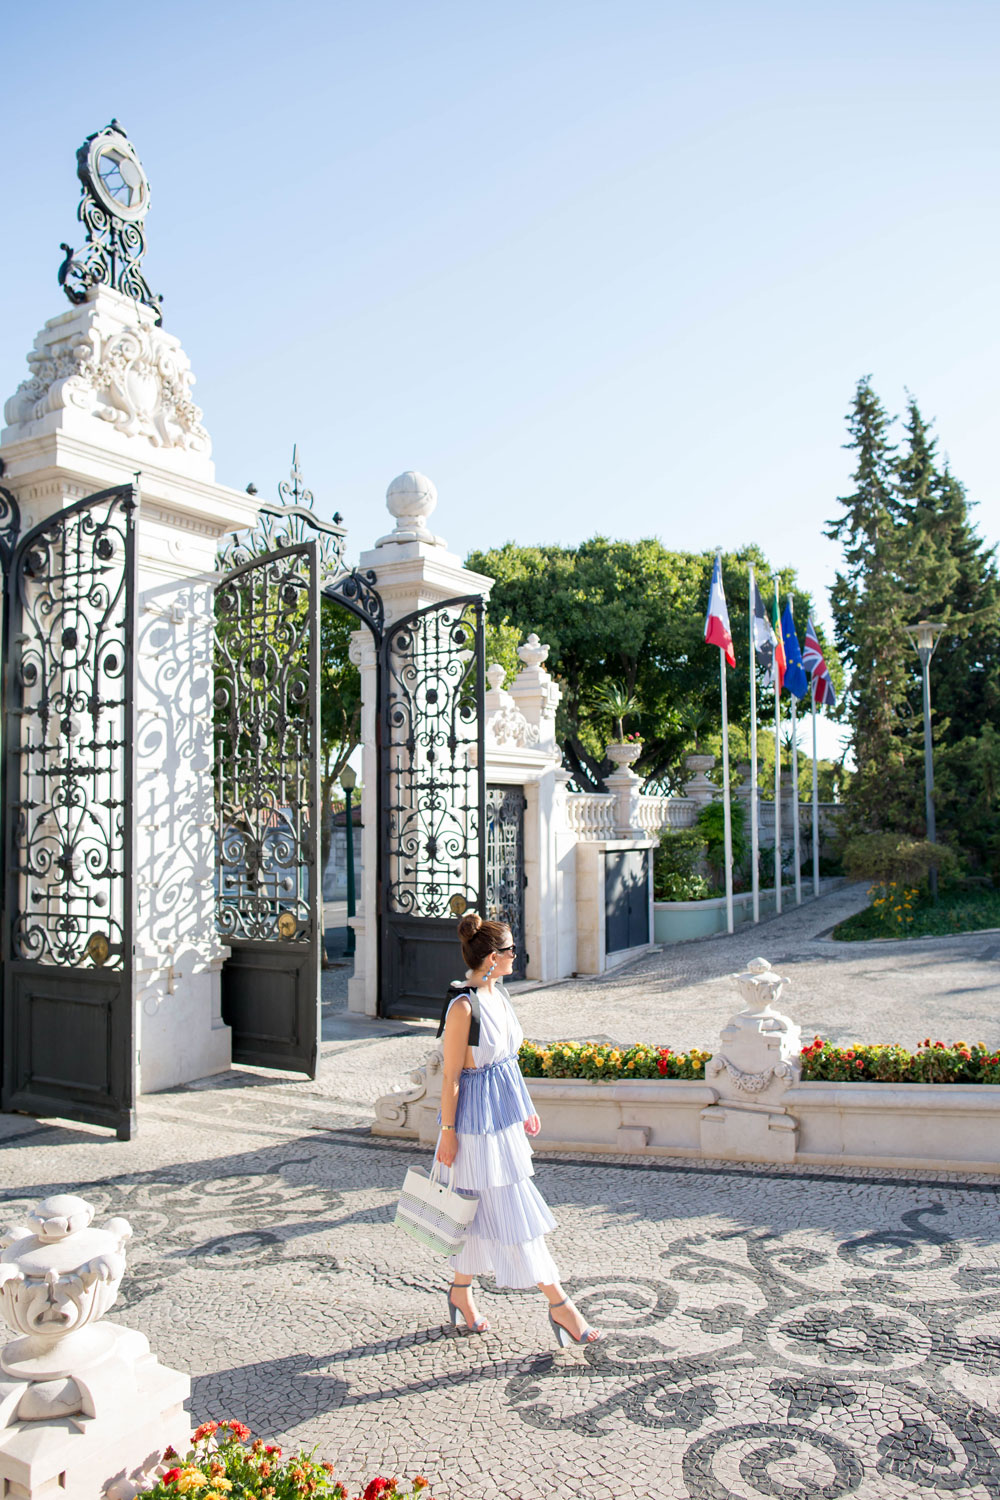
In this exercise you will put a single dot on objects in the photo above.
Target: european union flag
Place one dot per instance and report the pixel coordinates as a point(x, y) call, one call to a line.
point(796, 680)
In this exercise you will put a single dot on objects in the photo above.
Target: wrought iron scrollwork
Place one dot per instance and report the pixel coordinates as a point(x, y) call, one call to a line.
point(505, 864)
point(10, 525)
point(286, 524)
point(69, 755)
point(113, 204)
point(357, 592)
point(265, 715)
point(432, 757)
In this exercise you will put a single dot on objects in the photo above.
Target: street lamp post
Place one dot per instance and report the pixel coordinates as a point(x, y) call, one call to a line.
point(349, 780)
point(925, 637)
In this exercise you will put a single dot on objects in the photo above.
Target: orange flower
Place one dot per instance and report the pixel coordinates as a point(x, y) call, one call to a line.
point(204, 1431)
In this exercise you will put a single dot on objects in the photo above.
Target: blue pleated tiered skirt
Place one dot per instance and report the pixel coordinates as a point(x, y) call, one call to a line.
point(506, 1238)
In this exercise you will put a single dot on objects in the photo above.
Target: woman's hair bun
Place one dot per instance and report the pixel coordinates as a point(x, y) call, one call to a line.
point(469, 924)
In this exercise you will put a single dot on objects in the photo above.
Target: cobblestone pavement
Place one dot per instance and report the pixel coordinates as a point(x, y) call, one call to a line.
point(770, 1332)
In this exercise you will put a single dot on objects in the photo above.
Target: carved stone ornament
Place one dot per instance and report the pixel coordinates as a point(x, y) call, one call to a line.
point(509, 727)
point(82, 1402)
point(533, 653)
point(112, 362)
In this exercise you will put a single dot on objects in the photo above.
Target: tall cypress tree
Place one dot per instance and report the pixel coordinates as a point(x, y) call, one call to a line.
point(869, 612)
point(912, 552)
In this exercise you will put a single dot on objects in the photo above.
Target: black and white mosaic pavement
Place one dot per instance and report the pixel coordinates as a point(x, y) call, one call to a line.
point(770, 1334)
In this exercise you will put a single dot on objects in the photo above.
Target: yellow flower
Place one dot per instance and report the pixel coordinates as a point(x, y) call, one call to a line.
point(190, 1479)
point(223, 1484)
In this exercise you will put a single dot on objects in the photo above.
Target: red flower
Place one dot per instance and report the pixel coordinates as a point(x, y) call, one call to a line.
point(859, 1063)
point(272, 1450)
point(661, 1067)
point(205, 1430)
point(171, 1475)
point(327, 1467)
point(376, 1487)
point(849, 1054)
point(170, 1452)
point(239, 1430)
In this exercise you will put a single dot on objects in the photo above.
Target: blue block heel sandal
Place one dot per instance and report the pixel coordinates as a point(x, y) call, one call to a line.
point(563, 1335)
point(480, 1326)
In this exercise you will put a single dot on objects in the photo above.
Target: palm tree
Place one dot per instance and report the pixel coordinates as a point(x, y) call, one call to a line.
point(617, 702)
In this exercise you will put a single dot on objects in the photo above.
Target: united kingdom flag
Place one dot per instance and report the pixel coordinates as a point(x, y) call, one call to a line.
point(815, 664)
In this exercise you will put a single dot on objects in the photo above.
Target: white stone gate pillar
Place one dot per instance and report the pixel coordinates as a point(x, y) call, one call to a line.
point(108, 398)
point(413, 568)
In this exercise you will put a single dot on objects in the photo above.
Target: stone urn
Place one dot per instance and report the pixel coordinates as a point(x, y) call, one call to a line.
point(698, 787)
point(624, 752)
point(58, 1276)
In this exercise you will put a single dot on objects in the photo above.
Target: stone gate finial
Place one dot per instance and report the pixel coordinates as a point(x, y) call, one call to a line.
point(410, 498)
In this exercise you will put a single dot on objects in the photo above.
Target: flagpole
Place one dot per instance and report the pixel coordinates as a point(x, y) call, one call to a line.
point(777, 765)
point(754, 830)
point(795, 801)
point(795, 780)
point(727, 818)
point(727, 822)
point(815, 801)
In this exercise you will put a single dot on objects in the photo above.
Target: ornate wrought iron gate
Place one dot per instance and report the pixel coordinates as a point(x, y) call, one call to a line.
point(268, 899)
point(68, 767)
point(505, 879)
point(432, 838)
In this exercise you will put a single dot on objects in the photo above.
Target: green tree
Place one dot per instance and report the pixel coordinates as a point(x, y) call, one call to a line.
point(339, 710)
point(870, 608)
point(632, 613)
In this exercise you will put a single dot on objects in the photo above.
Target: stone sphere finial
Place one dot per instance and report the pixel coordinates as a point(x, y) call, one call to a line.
point(410, 498)
point(495, 675)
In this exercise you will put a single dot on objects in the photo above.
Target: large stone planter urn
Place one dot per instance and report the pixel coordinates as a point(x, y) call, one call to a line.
point(624, 752)
point(85, 1407)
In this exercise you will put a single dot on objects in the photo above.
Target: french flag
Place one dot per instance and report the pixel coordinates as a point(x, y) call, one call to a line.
point(717, 631)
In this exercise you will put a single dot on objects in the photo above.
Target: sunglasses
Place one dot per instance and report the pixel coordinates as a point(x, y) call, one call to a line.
point(509, 949)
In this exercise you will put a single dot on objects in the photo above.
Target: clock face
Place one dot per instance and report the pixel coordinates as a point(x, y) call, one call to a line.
point(116, 177)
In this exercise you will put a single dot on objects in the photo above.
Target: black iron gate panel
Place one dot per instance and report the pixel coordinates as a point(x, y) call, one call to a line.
point(432, 839)
point(268, 897)
point(505, 880)
point(68, 837)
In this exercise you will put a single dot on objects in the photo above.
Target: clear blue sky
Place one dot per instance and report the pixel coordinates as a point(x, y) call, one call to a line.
point(591, 266)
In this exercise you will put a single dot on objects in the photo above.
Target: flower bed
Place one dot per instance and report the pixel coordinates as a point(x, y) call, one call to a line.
point(822, 1062)
point(603, 1061)
point(901, 911)
point(884, 1062)
point(223, 1464)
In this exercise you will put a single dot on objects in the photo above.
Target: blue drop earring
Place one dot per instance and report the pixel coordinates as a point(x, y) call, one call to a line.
point(493, 964)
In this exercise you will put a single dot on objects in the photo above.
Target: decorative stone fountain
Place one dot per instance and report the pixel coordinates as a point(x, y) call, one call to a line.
point(85, 1407)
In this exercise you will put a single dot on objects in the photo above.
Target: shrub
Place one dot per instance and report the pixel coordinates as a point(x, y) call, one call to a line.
point(675, 873)
point(895, 858)
point(222, 1464)
point(711, 826)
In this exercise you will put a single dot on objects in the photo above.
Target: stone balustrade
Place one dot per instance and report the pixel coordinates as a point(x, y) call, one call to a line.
point(591, 815)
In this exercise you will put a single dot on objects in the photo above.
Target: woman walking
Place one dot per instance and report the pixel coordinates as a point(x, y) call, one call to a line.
point(486, 1115)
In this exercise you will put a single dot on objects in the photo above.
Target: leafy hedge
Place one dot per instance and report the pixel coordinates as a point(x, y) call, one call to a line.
point(875, 1062)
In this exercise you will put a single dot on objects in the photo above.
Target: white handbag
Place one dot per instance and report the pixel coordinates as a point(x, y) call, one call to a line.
point(432, 1212)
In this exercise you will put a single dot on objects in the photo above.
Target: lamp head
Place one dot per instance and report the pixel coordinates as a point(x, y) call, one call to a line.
point(924, 635)
point(348, 778)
